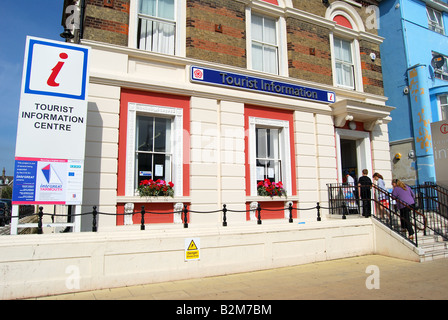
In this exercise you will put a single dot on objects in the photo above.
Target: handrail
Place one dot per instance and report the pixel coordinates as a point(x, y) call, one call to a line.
point(345, 199)
point(381, 194)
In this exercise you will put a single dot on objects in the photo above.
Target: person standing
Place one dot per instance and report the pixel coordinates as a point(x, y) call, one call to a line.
point(349, 193)
point(382, 198)
point(406, 198)
point(365, 186)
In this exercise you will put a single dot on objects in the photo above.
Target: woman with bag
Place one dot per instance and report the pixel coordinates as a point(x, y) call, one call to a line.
point(406, 198)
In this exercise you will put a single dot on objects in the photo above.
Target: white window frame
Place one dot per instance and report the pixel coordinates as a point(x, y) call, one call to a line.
point(180, 33)
point(347, 34)
point(356, 61)
point(282, 54)
point(176, 114)
point(441, 106)
point(284, 150)
point(435, 25)
point(351, 64)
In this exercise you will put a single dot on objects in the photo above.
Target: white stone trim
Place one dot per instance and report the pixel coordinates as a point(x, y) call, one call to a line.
point(176, 143)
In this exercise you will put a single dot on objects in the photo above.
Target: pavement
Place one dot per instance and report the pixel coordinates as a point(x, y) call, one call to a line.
point(371, 277)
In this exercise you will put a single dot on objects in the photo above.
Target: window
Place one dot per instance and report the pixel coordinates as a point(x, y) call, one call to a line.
point(343, 63)
point(435, 20)
point(154, 146)
point(442, 72)
point(443, 105)
point(153, 149)
point(157, 26)
point(268, 155)
point(264, 44)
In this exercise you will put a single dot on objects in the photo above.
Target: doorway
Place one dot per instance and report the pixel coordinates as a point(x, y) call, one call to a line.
point(349, 161)
point(353, 152)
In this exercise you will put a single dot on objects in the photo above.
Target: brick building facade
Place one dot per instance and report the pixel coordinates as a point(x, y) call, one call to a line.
point(144, 53)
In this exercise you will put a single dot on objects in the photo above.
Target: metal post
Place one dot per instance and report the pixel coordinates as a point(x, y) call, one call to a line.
point(185, 216)
point(224, 217)
point(259, 214)
point(290, 213)
point(142, 226)
point(39, 221)
point(344, 209)
point(94, 214)
point(318, 212)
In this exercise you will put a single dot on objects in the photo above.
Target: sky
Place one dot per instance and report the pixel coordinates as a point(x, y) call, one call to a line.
point(19, 19)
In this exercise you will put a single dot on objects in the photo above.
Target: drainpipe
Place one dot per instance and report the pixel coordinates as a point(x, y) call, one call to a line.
point(81, 21)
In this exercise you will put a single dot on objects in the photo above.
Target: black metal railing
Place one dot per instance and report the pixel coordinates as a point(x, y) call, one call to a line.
point(407, 222)
point(432, 201)
point(345, 199)
point(185, 214)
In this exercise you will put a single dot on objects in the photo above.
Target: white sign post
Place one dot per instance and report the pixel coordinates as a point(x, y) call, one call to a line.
point(51, 132)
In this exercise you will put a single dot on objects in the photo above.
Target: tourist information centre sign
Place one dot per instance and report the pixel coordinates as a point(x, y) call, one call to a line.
point(244, 82)
point(51, 133)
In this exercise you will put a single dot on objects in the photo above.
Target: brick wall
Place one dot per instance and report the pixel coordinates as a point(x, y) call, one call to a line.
point(372, 76)
point(216, 31)
point(309, 55)
point(107, 21)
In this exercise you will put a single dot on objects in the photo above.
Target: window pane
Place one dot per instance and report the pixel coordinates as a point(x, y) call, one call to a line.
point(143, 167)
point(148, 7)
point(346, 54)
point(444, 112)
point(257, 28)
point(269, 31)
point(164, 38)
point(261, 135)
point(160, 167)
point(166, 9)
point(162, 135)
point(145, 133)
point(273, 144)
point(270, 59)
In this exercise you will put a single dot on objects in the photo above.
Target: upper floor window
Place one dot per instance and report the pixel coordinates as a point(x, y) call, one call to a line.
point(435, 22)
point(443, 105)
point(157, 26)
point(344, 67)
point(264, 44)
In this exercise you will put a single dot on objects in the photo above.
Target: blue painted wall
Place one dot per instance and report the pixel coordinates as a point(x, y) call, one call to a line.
point(409, 42)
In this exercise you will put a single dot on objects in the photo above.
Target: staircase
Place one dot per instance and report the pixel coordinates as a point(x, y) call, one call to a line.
point(432, 247)
point(429, 220)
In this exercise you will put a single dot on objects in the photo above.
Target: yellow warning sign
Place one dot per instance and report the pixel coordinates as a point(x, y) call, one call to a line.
point(192, 246)
point(192, 249)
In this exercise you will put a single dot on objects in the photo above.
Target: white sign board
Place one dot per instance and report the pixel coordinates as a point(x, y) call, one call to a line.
point(51, 130)
point(439, 132)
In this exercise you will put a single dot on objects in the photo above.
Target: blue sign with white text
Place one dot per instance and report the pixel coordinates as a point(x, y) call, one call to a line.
point(233, 80)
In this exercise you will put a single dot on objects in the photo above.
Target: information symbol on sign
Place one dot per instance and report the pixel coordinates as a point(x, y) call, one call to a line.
point(444, 128)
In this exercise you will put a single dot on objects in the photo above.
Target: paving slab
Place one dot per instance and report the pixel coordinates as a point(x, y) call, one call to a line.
point(368, 277)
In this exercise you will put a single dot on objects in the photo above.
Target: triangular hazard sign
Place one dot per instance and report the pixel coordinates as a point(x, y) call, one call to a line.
point(192, 246)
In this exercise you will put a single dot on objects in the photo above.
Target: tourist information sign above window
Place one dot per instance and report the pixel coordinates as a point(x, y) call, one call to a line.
point(243, 82)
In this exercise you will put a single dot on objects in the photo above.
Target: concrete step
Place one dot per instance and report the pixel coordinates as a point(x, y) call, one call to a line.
point(433, 247)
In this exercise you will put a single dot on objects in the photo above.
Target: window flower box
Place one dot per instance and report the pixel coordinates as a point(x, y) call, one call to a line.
point(151, 188)
point(271, 189)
